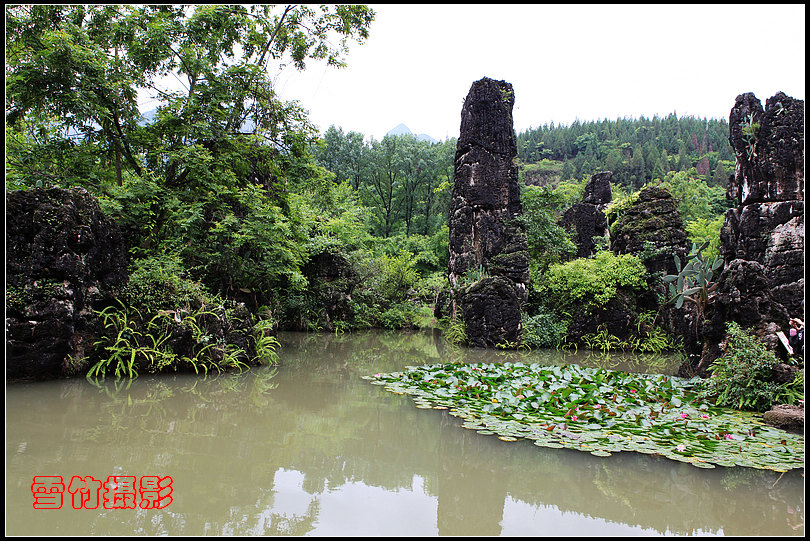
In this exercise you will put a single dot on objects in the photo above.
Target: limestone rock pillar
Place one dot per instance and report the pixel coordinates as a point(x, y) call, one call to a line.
point(489, 262)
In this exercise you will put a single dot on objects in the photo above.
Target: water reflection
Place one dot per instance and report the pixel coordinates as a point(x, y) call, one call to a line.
point(309, 448)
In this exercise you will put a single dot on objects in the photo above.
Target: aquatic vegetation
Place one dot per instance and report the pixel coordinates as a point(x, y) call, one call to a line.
point(599, 411)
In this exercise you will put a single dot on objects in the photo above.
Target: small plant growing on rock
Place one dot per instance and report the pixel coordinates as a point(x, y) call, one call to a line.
point(750, 130)
point(693, 282)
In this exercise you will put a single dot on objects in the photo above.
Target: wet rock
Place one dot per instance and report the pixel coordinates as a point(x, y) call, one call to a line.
point(492, 313)
point(618, 317)
point(485, 239)
point(772, 234)
point(784, 373)
point(64, 259)
point(768, 225)
point(769, 148)
point(742, 296)
point(786, 417)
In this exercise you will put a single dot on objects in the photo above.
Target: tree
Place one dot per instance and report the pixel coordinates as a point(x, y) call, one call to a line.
point(720, 177)
point(549, 243)
point(85, 66)
point(208, 176)
point(637, 166)
point(385, 183)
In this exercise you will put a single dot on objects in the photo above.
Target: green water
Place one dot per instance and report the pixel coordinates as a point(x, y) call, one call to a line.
point(310, 448)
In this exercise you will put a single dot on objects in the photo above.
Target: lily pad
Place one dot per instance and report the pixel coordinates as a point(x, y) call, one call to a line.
point(598, 411)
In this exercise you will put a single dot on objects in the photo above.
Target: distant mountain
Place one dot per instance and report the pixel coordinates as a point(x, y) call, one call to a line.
point(402, 129)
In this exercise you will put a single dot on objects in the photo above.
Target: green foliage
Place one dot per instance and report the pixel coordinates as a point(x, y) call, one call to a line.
point(242, 240)
point(619, 206)
point(706, 230)
point(266, 344)
point(636, 151)
point(742, 377)
point(160, 282)
point(39, 156)
point(647, 338)
point(396, 277)
point(135, 342)
point(207, 176)
point(603, 340)
point(696, 199)
point(592, 282)
point(651, 338)
point(750, 130)
point(544, 329)
point(453, 330)
point(548, 242)
point(597, 411)
point(402, 181)
point(123, 349)
point(401, 315)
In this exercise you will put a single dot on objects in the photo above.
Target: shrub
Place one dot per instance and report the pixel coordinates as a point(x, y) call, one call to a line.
point(395, 277)
point(398, 316)
point(545, 329)
point(741, 377)
point(160, 283)
point(453, 330)
point(592, 282)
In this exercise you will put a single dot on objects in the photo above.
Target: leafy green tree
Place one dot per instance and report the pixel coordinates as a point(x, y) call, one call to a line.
point(696, 199)
point(385, 183)
point(549, 243)
point(567, 172)
point(209, 176)
point(742, 377)
point(85, 65)
point(637, 166)
point(591, 282)
point(344, 154)
point(720, 176)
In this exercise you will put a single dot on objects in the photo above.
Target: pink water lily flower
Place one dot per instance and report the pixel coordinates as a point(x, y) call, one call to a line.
point(704, 416)
point(681, 447)
point(684, 415)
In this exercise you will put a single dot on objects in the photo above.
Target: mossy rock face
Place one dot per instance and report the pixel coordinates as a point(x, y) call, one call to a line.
point(64, 258)
point(514, 266)
point(652, 228)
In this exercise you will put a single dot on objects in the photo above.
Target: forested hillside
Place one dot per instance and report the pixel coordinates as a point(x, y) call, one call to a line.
point(635, 150)
point(406, 183)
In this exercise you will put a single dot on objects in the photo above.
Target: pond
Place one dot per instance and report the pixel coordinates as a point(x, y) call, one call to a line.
point(311, 448)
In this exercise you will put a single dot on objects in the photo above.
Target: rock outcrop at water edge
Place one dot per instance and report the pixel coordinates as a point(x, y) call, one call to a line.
point(64, 257)
point(762, 239)
point(489, 262)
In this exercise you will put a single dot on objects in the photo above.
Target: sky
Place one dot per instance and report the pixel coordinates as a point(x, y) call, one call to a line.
point(565, 62)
